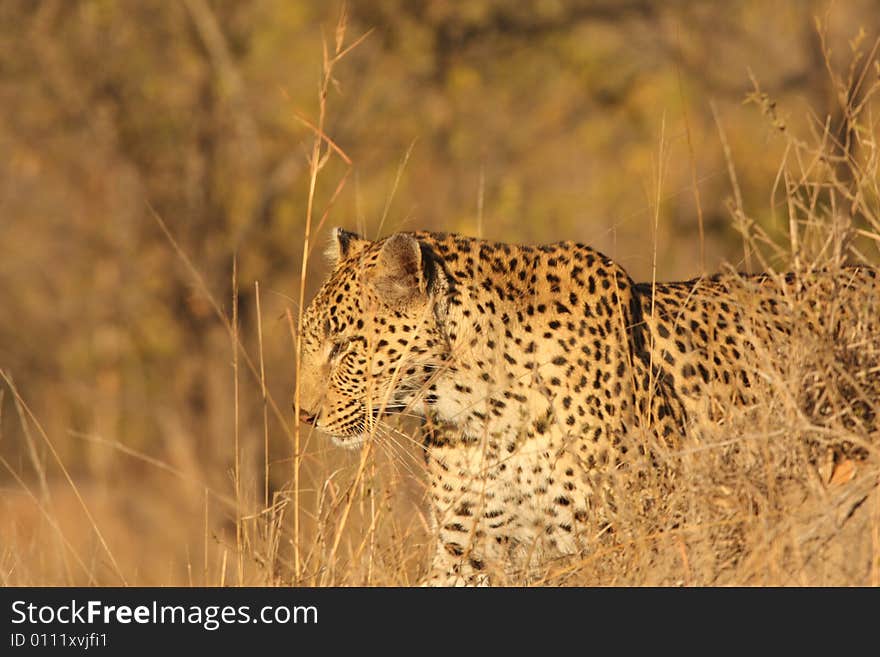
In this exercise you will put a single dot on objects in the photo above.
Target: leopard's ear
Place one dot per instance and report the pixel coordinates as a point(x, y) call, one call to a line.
point(404, 271)
point(342, 244)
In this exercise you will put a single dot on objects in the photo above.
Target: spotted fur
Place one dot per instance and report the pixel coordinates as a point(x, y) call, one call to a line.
point(549, 370)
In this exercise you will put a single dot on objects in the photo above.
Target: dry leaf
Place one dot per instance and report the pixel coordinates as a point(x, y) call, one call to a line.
point(843, 472)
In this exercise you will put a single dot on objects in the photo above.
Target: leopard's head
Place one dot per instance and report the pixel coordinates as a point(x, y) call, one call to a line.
point(372, 339)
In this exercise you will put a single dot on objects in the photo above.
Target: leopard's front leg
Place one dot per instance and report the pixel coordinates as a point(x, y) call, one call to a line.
point(449, 569)
point(465, 520)
point(459, 557)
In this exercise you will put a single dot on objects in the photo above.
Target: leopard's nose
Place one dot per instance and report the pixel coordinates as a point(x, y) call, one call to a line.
point(307, 418)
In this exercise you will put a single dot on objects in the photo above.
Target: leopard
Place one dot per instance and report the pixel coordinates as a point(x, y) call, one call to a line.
point(545, 375)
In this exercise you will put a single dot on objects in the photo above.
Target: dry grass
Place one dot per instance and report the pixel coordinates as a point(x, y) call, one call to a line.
point(782, 494)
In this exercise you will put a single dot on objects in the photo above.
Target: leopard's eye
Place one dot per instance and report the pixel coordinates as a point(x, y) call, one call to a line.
point(338, 348)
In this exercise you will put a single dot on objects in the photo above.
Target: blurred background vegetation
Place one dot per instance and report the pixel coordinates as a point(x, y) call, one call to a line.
point(539, 120)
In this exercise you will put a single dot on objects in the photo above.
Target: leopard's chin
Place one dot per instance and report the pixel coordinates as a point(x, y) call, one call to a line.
point(349, 442)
